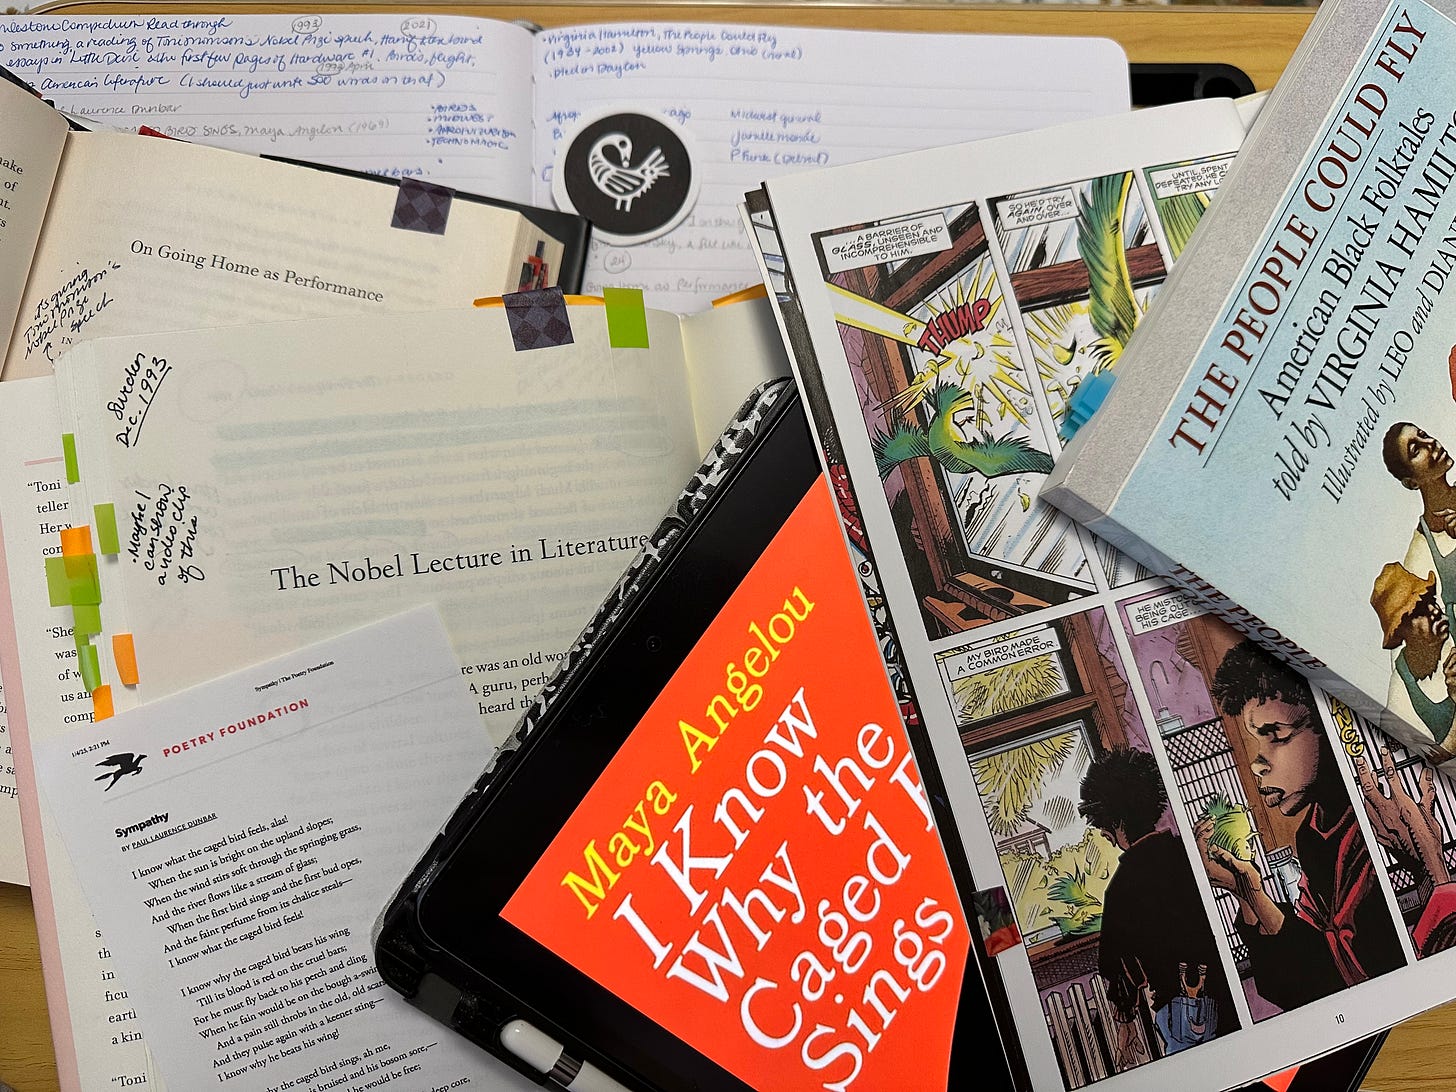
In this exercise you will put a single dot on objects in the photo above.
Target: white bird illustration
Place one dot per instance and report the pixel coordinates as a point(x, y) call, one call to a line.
point(623, 182)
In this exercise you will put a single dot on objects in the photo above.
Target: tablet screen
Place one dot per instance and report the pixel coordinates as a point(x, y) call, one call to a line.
point(756, 869)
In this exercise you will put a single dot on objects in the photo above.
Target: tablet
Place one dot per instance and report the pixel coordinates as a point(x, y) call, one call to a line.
point(708, 860)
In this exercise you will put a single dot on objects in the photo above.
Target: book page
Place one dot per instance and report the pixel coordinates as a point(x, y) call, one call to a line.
point(239, 902)
point(730, 350)
point(441, 98)
point(1104, 741)
point(30, 152)
point(538, 475)
point(93, 1024)
point(758, 102)
point(197, 236)
point(272, 483)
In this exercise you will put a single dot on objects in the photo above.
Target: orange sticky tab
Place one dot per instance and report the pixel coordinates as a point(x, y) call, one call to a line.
point(573, 301)
point(752, 292)
point(123, 651)
point(101, 703)
point(76, 541)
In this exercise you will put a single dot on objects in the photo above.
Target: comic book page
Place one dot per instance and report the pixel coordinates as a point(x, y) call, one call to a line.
point(1191, 842)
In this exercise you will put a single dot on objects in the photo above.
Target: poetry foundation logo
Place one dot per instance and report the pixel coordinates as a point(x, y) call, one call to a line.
point(630, 174)
point(121, 765)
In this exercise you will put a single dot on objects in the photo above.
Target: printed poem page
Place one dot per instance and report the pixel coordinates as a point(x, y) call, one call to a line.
point(240, 901)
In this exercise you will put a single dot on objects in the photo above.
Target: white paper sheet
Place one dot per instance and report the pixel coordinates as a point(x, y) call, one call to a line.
point(237, 840)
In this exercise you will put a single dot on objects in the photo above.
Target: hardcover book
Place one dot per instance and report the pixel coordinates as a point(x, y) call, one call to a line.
point(1276, 440)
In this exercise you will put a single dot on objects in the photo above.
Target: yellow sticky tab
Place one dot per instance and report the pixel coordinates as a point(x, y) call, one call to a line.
point(82, 577)
point(89, 662)
point(102, 705)
point(107, 540)
point(87, 617)
point(68, 449)
point(626, 318)
point(76, 541)
point(752, 292)
point(123, 651)
point(58, 583)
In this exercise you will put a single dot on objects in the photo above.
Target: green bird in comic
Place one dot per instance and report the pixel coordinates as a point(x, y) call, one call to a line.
point(942, 442)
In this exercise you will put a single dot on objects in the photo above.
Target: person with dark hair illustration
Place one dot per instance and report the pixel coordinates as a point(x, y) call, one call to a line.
point(1413, 621)
point(1156, 950)
point(1339, 930)
point(1418, 461)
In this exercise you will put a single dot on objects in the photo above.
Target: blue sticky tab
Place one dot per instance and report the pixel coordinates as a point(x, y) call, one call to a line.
point(1084, 402)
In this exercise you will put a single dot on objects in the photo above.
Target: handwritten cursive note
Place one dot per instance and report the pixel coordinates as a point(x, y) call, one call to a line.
point(142, 380)
point(442, 98)
point(162, 536)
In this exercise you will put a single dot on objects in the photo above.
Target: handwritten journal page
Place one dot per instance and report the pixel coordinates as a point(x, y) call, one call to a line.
point(758, 102)
point(446, 99)
point(149, 234)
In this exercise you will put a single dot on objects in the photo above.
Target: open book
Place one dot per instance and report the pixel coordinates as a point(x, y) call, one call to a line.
point(106, 232)
point(1179, 824)
point(111, 233)
point(487, 106)
point(304, 477)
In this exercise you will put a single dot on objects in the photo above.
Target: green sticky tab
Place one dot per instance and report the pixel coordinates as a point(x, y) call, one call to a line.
point(87, 617)
point(58, 583)
point(83, 578)
point(626, 318)
point(68, 445)
point(89, 662)
point(105, 523)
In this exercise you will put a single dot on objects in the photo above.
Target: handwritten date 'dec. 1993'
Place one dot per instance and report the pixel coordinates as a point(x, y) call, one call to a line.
point(139, 385)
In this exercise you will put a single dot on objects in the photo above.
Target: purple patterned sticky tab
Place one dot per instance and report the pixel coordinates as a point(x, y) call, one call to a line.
point(538, 319)
point(421, 206)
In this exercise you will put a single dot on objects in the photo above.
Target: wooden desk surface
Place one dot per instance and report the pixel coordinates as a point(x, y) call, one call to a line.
point(1417, 1056)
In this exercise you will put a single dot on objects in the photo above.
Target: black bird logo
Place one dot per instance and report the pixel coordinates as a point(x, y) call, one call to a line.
point(123, 763)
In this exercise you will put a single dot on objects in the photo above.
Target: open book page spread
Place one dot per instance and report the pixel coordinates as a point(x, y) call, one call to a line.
point(238, 839)
point(753, 102)
point(242, 237)
point(317, 473)
point(1176, 821)
point(481, 105)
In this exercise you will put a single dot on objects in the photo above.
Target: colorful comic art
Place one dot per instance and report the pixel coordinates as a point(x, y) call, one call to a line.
point(1253, 753)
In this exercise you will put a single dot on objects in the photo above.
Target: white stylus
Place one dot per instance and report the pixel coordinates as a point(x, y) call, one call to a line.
point(545, 1054)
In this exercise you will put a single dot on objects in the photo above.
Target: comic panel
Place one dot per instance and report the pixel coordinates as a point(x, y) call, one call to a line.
point(1124, 957)
point(1255, 769)
point(1181, 192)
point(959, 445)
point(1412, 809)
point(1084, 263)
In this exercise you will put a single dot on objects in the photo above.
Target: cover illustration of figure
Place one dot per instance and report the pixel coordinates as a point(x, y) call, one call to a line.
point(1415, 615)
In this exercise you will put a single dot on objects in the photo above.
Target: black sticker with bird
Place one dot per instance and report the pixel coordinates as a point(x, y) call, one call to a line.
point(630, 174)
